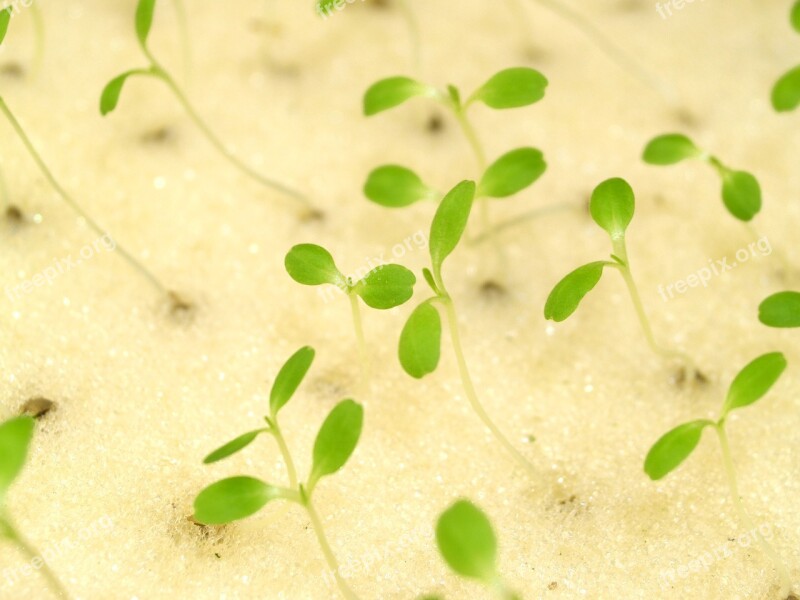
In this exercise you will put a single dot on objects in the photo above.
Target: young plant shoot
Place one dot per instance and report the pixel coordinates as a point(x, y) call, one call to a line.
point(468, 544)
point(749, 386)
point(384, 287)
point(178, 304)
point(511, 88)
point(786, 92)
point(237, 498)
point(420, 341)
point(111, 95)
point(612, 207)
point(15, 440)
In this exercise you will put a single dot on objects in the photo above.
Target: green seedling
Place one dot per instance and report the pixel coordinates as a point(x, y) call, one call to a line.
point(781, 310)
point(38, 26)
point(468, 545)
point(420, 341)
point(612, 207)
point(741, 192)
point(237, 498)
point(511, 88)
point(749, 386)
point(177, 302)
point(786, 92)
point(384, 287)
point(15, 440)
point(111, 94)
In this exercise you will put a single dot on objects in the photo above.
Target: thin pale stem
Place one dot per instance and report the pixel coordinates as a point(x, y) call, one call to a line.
point(38, 26)
point(358, 327)
point(291, 471)
point(472, 395)
point(5, 197)
point(217, 143)
point(186, 45)
point(522, 218)
point(30, 553)
point(413, 32)
point(73, 203)
point(330, 557)
point(747, 522)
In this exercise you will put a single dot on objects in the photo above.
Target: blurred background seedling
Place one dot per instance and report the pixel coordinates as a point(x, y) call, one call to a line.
point(786, 91)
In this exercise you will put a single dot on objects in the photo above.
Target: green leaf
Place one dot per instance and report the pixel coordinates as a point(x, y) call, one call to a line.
point(786, 93)
point(337, 439)
point(386, 286)
point(5, 19)
point(111, 93)
point(426, 273)
point(795, 16)
point(392, 92)
point(232, 447)
point(512, 88)
point(394, 186)
point(449, 223)
point(512, 173)
point(15, 439)
point(289, 378)
point(420, 341)
point(467, 542)
point(673, 448)
point(781, 310)
point(144, 19)
point(670, 149)
point(612, 206)
point(568, 293)
point(754, 381)
point(741, 194)
point(233, 499)
point(310, 264)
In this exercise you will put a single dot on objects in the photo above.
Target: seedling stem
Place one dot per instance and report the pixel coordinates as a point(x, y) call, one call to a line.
point(358, 327)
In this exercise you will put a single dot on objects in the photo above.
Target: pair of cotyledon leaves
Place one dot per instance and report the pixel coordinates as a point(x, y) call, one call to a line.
point(612, 207)
point(786, 92)
point(741, 192)
point(15, 440)
point(239, 497)
point(749, 386)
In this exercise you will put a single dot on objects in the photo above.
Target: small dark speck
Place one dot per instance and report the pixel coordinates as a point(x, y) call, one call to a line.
point(553, 585)
point(37, 407)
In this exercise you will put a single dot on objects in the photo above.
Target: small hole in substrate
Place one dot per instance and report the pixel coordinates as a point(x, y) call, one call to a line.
point(37, 407)
point(679, 378)
point(435, 123)
point(13, 70)
point(160, 135)
point(312, 215)
point(381, 4)
point(686, 117)
point(180, 308)
point(214, 533)
point(14, 214)
point(492, 290)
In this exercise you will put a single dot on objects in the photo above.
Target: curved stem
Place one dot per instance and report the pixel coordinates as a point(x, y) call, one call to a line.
point(727, 459)
point(358, 327)
point(330, 557)
point(73, 204)
point(217, 143)
point(520, 219)
point(469, 388)
point(413, 31)
point(31, 554)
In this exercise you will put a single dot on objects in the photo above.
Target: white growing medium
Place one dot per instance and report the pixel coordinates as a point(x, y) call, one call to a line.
point(141, 400)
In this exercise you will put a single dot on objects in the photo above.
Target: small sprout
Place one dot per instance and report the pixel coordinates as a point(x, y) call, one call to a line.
point(612, 207)
point(391, 92)
point(468, 544)
point(512, 173)
point(741, 192)
point(420, 341)
point(15, 440)
point(394, 186)
point(672, 449)
point(511, 88)
point(786, 92)
point(781, 310)
point(237, 498)
point(110, 96)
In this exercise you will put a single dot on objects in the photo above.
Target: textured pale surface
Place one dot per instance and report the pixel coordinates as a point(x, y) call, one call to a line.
point(142, 399)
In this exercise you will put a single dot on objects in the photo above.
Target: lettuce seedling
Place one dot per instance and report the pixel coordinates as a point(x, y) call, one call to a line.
point(420, 341)
point(15, 440)
point(384, 287)
point(394, 186)
point(468, 545)
point(781, 310)
point(741, 192)
point(239, 497)
point(786, 92)
point(749, 386)
point(111, 94)
point(612, 207)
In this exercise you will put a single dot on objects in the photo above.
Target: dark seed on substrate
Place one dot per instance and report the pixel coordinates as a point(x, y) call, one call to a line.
point(492, 289)
point(37, 407)
point(159, 135)
point(435, 123)
point(13, 69)
point(14, 214)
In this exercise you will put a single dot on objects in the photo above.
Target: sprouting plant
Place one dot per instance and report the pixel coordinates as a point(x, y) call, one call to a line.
point(511, 88)
point(781, 310)
point(111, 94)
point(749, 386)
point(612, 207)
point(420, 341)
point(15, 440)
point(786, 92)
point(384, 287)
point(468, 544)
point(178, 304)
point(237, 498)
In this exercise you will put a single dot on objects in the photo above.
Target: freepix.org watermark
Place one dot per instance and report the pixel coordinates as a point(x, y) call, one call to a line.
point(715, 268)
point(665, 9)
point(59, 267)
